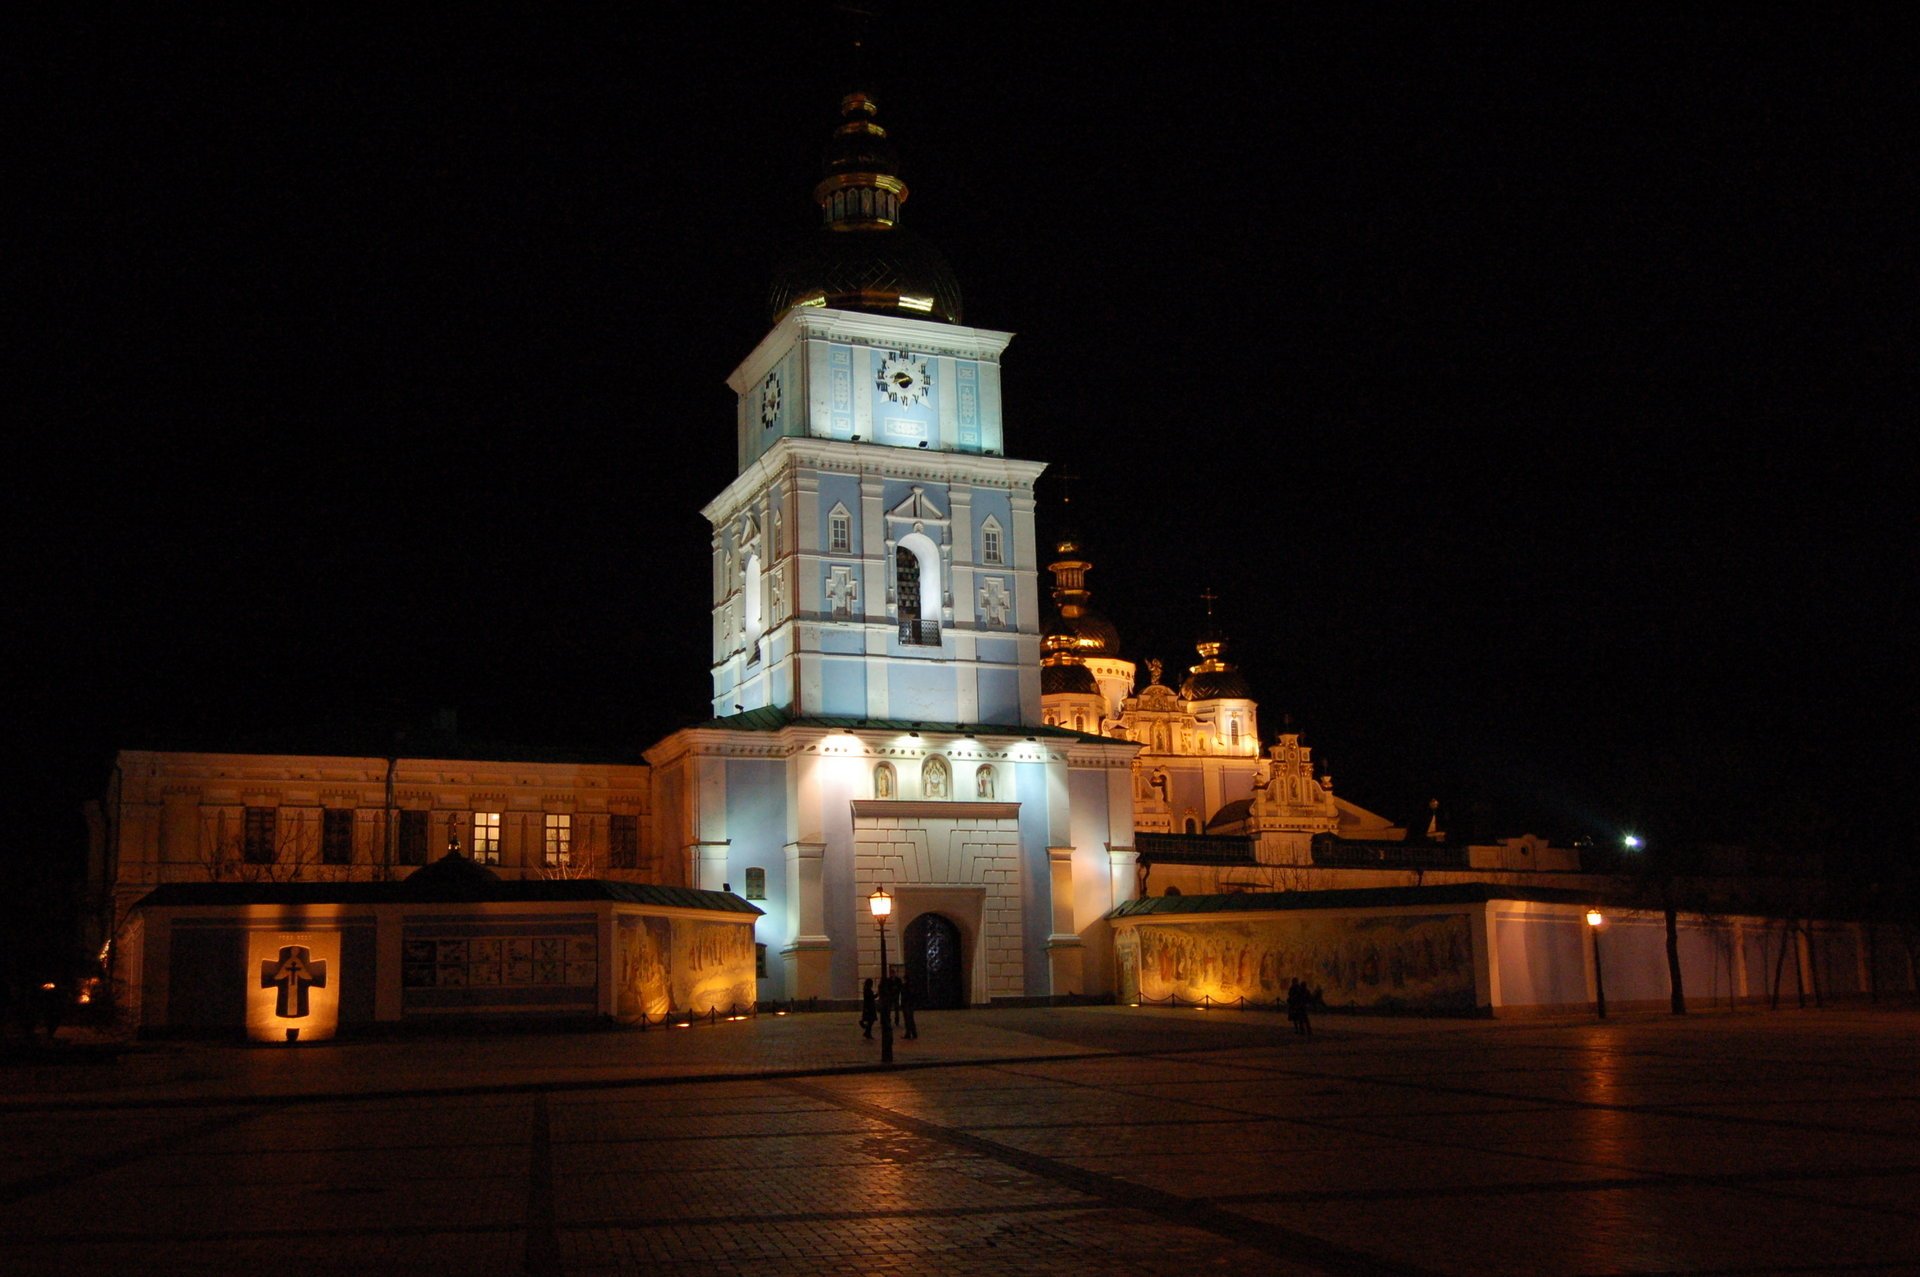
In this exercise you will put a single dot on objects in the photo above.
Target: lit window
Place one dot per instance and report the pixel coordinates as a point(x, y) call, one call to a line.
point(840, 531)
point(559, 839)
point(990, 551)
point(259, 848)
point(486, 837)
point(756, 884)
point(623, 842)
point(336, 836)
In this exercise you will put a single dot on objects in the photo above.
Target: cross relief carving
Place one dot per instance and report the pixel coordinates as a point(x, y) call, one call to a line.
point(995, 601)
point(843, 591)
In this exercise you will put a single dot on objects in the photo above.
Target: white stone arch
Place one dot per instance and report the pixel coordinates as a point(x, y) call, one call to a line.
point(753, 608)
point(932, 588)
point(983, 782)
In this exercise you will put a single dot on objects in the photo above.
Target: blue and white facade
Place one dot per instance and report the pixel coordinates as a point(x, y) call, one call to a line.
point(876, 677)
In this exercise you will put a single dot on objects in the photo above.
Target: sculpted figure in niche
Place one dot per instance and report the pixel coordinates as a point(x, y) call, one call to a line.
point(983, 784)
point(883, 781)
point(935, 779)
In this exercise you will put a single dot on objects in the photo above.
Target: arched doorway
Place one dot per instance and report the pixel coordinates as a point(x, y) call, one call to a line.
point(936, 977)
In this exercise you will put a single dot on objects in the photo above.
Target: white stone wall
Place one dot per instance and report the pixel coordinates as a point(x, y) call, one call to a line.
point(954, 866)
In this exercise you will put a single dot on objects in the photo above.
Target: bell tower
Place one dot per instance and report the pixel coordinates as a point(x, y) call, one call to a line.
point(874, 558)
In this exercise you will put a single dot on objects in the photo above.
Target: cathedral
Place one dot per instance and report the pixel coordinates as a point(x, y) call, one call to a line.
point(898, 706)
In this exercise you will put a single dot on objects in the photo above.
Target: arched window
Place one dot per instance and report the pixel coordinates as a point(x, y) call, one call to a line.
point(755, 617)
point(1233, 732)
point(983, 783)
point(1172, 890)
point(936, 778)
point(884, 785)
point(917, 590)
point(1191, 825)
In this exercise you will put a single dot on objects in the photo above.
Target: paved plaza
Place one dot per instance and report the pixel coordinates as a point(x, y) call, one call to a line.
point(1073, 1140)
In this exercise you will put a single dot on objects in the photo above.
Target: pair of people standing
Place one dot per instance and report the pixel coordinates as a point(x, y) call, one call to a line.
point(892, 1000)
point(1298, 1000)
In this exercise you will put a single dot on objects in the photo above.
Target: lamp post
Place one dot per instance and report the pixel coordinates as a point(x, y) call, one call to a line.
point(882, 904)
point(1596, 923)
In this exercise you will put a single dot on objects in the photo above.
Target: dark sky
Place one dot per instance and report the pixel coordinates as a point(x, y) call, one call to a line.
point(1529, 386)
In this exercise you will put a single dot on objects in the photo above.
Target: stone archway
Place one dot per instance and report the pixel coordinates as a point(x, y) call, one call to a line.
point(936, 966)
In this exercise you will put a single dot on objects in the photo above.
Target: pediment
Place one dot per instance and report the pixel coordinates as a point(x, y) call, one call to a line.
point(918, 508)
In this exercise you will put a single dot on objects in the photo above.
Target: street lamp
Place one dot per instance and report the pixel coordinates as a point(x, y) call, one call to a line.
point(882, 904)
point(1596, 923)
point(1632, 842)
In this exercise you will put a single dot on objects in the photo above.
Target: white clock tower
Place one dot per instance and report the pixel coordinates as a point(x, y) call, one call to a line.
point(876, 642)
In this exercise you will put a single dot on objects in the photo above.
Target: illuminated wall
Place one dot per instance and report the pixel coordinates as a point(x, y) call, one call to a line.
point(1415, 961)
point(293, 981)
point(670, 965)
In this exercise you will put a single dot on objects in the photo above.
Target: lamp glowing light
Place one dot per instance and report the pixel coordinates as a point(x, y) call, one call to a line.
point(1632, 842)
point(1596, 919)
point(882, 904)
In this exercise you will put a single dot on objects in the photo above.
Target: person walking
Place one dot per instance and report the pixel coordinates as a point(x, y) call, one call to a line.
point(869, 1010)
point(906, 1010)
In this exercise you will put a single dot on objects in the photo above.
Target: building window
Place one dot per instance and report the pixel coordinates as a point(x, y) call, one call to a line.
point(486, 837)
point(259, 848)
point(413, 837)
point(840, 531)
point(760, 961)
point(623, 842)
point(559, 840)
point(336, 836)
point(990, 551)
point(914, 628)
point(1233, 732)
point(756, 884)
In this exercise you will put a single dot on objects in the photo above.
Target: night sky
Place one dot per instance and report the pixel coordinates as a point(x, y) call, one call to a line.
point(1529, 387)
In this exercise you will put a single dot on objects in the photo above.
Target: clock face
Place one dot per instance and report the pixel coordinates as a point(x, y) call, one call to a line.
point(770, 400)
point(903, 378)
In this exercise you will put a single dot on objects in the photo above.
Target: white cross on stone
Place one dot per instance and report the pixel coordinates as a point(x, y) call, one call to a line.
point(842, 590)
point(994, 600)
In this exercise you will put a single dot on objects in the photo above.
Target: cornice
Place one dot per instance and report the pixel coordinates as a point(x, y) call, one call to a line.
point(793, 452)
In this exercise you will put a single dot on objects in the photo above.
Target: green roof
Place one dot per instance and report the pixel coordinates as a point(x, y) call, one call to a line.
point(768, 719)
point(520, 891)
point(1455, 893)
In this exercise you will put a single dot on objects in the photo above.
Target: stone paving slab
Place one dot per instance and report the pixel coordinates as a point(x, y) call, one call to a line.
point(1069, 1141)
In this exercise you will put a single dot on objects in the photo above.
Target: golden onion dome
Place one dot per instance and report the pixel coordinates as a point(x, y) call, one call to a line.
point(859, 258)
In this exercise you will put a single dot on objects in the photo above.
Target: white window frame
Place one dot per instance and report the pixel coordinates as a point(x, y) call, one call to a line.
point(486, 837)
point(558, 845)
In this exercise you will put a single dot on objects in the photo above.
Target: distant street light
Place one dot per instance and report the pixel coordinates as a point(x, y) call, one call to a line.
point(1632, 842)
point(882, 904)
point(1596, 923)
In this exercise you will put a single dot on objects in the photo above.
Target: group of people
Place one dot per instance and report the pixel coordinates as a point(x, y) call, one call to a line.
point(893, 1000)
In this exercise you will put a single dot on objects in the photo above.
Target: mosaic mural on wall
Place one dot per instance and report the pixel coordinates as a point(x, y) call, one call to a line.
point(519, 961)
point(1411, 960)
point(673, 965)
